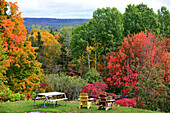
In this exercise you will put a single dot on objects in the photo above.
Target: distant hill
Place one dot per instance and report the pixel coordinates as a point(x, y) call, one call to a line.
point(52, 22)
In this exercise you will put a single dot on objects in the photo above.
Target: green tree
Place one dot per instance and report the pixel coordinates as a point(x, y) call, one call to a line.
point(51, 31)
point(64, 40)
point(164, 19)
point(137, 18)
point(92, 76)
point(78, 45)
point(108, 30)
point(39, 43)
point(85, 34)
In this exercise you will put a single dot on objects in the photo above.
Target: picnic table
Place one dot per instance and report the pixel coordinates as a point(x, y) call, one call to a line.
point(51, 97)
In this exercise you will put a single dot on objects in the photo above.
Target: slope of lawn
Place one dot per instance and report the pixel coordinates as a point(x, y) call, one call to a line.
point(72, 106)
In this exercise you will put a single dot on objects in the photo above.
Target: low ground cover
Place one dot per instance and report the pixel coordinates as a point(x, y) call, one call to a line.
point(72, 106)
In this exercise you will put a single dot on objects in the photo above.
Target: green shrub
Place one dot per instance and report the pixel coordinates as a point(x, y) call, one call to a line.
point(92, 76)
point(8, 95)
point(152, 93)
point(22, 96)
point(2, 95)
point(33, 94)
point(72, 86)
point(15, 97)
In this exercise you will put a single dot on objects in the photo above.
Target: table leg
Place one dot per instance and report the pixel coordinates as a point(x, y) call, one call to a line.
point(34, 102)
point(56, 103)
point(35, 99)
point(65, 102)
point(44, 104)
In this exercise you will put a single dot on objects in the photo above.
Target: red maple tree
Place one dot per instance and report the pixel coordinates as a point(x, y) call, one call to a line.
point(134, 53)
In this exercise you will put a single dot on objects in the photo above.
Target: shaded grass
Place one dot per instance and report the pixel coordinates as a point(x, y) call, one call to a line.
point(71, 107)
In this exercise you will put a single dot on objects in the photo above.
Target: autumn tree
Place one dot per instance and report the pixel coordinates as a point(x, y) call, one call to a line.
point(49, 49)
point(3, 65)
point(24, 73)
point(142, 48)
point(13, 34)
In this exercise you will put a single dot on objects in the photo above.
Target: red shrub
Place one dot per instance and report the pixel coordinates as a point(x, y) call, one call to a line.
point(43, 85)
point(126, 102)
point(95, 88)
point(28, 96)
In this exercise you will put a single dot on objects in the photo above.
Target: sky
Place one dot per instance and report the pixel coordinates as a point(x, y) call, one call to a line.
point(78, 8)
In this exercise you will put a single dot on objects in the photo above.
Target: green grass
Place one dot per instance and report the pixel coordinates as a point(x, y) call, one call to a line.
point(28, 106)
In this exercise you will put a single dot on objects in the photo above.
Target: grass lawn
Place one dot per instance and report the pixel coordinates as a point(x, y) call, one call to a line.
point(71, 107)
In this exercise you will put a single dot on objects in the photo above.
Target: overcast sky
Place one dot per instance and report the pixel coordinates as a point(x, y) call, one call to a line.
point(78, 8)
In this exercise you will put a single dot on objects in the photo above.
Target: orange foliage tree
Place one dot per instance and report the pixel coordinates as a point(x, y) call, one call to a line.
point(49, 52)
point(23, 72)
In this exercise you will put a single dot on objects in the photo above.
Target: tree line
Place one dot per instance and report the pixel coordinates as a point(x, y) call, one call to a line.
point(26, 59)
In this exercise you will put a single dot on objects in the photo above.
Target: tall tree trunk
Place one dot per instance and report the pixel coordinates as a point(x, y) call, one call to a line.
point(88, 55)
point(163, 31)
point(95, 55)
point(62, 59)
point(81, 66)
point(104, 62)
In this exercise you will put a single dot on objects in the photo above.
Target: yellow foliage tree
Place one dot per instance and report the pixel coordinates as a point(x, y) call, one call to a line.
point(24, 73)
point(50, 50)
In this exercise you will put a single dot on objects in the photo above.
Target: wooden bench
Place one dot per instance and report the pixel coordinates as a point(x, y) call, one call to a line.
point(38, 98)
point(56, 100)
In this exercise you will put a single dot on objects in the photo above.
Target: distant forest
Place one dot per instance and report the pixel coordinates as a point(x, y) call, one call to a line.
point(52, 22)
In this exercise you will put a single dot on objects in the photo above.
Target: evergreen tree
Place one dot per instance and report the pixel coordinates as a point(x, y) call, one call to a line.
point(39, 42)
point(51, 31)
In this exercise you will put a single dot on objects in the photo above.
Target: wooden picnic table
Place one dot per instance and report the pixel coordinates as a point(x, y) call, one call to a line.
point(50, 97)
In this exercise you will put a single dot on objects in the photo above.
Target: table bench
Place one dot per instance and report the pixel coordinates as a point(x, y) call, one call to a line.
point(47, 97)
point(56, 100)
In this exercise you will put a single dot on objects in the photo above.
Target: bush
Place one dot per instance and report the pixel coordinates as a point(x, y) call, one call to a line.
point(22, 96)
point(92, 76)
point(33, 94)
point(126, 102)
point(95, 89)
point(67, 84)
point(152, 93)
point(8, 95)
point(4, 95)
point(15, 97)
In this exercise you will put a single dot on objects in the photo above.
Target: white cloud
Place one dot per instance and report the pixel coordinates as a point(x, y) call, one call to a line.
point(78, 8)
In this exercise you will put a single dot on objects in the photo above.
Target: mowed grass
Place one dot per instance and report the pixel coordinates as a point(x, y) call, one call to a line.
point(71, 107)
